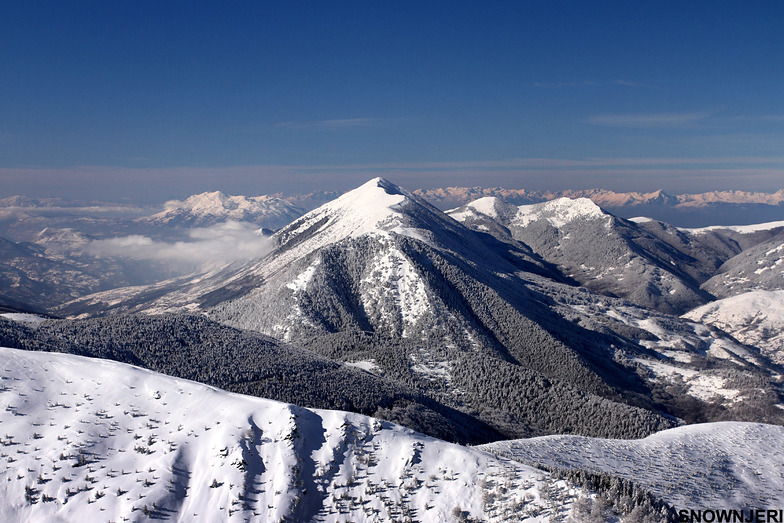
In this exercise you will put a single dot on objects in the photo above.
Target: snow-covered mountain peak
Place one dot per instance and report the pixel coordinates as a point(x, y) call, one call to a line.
point(218, 203)
point(377, 207)
point(486, 205)
point(382, 183)
point(560, 211)
point(206, 202)
point(377, 198)
point(491, 206)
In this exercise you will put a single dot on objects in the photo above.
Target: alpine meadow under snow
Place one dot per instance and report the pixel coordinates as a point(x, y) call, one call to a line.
point(641, 362)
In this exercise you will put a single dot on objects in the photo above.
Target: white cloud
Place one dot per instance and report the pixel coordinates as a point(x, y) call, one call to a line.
point(648, 121)
point(343, 123)
point(627, 83)
point(205, 247)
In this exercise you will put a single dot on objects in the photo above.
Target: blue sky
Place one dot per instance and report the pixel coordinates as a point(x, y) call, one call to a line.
point(153, 100)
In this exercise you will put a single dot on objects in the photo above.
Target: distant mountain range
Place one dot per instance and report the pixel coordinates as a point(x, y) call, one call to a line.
point(274, 211)
point(602, 197)
point(33, 277)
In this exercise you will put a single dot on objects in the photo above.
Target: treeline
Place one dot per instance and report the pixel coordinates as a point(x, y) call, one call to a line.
point(624, 498)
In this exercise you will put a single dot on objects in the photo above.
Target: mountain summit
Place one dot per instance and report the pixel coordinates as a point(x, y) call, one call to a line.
point(378, 207)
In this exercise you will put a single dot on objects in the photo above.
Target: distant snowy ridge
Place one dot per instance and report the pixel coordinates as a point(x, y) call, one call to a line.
point(602, 197)
point(557, 212)
point(93, 440)
point(212, 207)
point(713, 465)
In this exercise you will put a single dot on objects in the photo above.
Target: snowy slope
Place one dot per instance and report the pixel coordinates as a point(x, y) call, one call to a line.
point(757, 268)
point(209, 208)
point(92, 440)
point(714, 465)
point(560, 212)
point(23, 317)
point(696, 360)
point(754, 318)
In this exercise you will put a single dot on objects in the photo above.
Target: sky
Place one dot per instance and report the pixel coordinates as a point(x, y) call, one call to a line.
point(150, 100)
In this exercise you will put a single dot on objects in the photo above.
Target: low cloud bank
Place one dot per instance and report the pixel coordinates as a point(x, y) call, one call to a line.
point(204, 247)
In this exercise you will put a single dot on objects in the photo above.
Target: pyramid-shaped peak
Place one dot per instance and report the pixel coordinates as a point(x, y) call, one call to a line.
point(660, 197)
point(374, 184)
point(373, 198)
point(377, 207)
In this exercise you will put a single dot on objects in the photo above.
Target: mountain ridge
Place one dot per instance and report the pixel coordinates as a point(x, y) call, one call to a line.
point(602, 252)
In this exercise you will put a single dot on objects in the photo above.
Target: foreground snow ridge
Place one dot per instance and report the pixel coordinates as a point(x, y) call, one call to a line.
point(93, 440)
point(730, 465)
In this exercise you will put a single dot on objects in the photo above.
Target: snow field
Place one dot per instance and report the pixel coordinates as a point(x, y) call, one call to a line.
point(559, 212)
point(713, 465)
